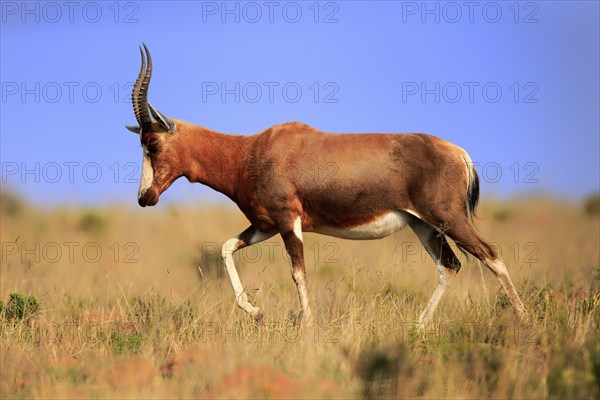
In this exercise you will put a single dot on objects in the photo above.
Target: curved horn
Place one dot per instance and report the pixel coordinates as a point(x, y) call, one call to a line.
point(139, 95)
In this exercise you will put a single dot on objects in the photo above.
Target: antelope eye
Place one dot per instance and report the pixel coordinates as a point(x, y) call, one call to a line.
point(152, 146)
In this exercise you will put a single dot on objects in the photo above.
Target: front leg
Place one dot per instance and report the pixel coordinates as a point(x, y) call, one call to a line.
point(247, 238)
point(292, 238)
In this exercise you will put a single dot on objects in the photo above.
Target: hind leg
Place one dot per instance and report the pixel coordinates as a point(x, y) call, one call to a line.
point(446, 261)
point(467, 239)
point(498, 268)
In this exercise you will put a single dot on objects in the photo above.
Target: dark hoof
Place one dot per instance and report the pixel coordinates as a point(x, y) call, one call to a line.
point(259, 317)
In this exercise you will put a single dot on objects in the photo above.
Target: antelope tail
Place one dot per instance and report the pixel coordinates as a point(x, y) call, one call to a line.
point(472, 187)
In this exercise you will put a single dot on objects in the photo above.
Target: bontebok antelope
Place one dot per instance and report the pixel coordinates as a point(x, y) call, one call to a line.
point(378, 184)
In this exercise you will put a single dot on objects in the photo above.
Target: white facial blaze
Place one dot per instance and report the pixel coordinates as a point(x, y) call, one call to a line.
point(147, 173)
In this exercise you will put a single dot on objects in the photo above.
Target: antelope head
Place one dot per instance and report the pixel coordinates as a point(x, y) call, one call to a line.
point(159, 139)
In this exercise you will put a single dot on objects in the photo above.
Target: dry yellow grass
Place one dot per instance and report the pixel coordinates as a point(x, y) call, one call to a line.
point(135, 304)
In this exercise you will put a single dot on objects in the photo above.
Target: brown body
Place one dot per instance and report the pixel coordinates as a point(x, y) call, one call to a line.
point(349, 179)
point(329, 179)
point(293, 178)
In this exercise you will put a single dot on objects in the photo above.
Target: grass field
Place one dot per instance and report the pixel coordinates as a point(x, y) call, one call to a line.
point(121, 302)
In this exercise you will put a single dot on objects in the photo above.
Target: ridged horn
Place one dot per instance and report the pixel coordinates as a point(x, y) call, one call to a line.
point(139, 95)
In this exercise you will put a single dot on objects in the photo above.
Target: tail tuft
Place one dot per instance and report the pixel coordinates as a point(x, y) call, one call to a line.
point(472, 189)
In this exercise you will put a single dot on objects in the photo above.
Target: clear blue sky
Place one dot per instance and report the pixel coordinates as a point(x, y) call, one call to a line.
point(517, 86)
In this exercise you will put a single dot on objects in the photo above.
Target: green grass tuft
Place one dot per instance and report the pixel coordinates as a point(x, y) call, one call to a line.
point(20, 307)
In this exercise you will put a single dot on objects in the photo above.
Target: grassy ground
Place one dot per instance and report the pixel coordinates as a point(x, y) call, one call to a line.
point(118, 302)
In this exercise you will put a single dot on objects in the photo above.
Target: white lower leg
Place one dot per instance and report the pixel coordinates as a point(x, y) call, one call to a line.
point(499, 269)
point(446, 276)
point(229, 247)
point(300, 279)
point(299, 274)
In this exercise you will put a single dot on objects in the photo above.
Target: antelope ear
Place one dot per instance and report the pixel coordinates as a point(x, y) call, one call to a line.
point(134, 129)
point(166, 122)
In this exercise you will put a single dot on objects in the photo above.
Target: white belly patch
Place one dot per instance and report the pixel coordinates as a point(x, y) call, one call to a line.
point(379, 228)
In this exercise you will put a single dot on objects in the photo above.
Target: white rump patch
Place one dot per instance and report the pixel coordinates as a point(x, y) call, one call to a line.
point(147, 173)
point(379, 228)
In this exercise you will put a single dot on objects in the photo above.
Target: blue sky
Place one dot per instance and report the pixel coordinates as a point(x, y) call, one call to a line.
point(515, 84)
